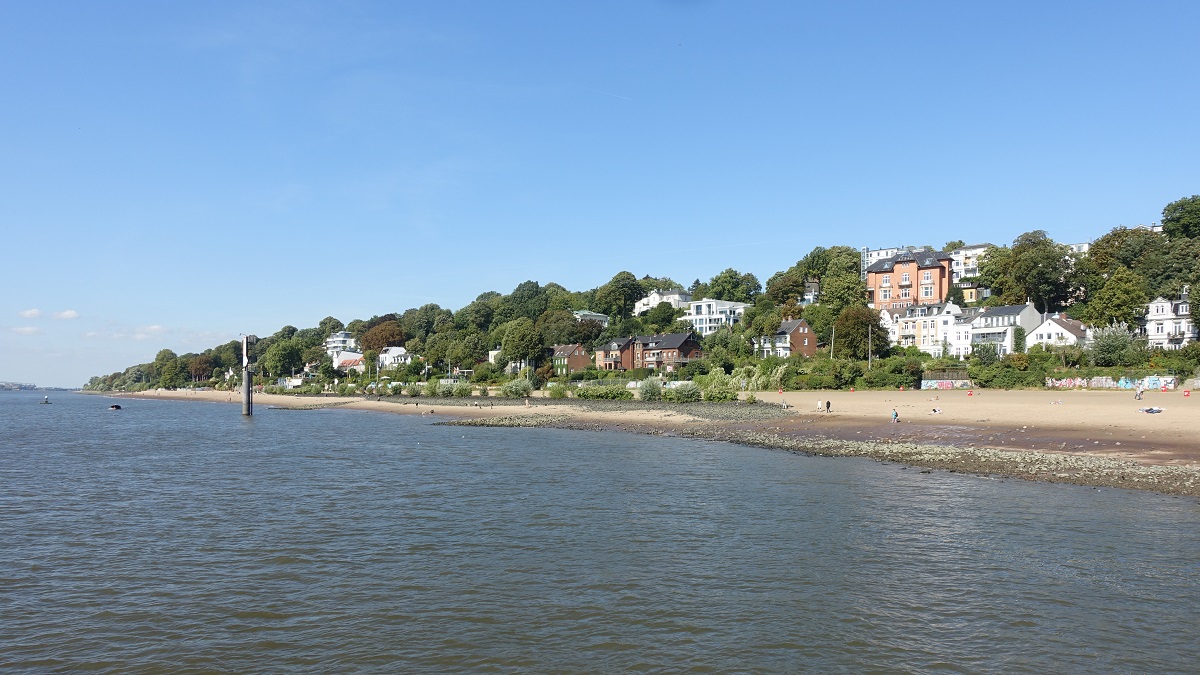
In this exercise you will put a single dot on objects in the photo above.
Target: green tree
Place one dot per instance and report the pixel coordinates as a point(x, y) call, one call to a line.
point(330, 325)
point(842, 290)
point(661, 317)
point(1039, 267)
point(282, 357)
point(734, 286)
point(785, 286)
point(820, 320)
point(521, 341)
point(619, 295)
point(955, 295)
point(953, 244)
point(857, 333)
point(1122, 299)
point(1181, 218)
point(1112, 346)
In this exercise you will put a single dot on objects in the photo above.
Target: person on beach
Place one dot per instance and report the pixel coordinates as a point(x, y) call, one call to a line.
point(895, 416)
point(1137, 393)
point(820, 405)
point(828, 406)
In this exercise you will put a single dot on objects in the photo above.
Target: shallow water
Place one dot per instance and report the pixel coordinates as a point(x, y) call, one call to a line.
point(176, 536)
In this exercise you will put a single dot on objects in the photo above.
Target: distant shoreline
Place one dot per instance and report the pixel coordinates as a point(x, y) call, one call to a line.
point(1080, 437)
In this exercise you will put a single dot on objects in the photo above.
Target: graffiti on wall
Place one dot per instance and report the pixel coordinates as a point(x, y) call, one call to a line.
point(1106, 382)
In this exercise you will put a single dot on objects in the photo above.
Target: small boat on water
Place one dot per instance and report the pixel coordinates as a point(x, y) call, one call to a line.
point(45, 401)
point(114, 407)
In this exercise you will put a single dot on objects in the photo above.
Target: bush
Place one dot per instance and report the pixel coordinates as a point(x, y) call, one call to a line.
point(650, 389)
point(684, 392)
point(609, 392)
point(518, 388)
point(558, 391)
point(462, 390)
point(413, 390)
point(751, 399)
point(431, 388)
point(483, 391)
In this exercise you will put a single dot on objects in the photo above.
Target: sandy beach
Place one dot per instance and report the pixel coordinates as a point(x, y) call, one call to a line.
point(1084, 437)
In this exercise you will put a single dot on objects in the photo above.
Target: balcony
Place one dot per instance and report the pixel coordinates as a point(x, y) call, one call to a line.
point(904, 283)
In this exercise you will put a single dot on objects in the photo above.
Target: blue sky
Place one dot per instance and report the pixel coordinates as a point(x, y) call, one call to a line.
point(363, 157)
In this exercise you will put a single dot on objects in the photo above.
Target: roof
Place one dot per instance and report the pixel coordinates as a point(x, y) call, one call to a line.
point(667, 340)
point(565, 350)
point(1072, 326)
point(786, 327)
point(614, 344)
point(921, 258)
point(1005, 310)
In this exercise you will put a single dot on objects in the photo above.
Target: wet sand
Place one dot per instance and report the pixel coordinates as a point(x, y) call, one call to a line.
point(1084, 437)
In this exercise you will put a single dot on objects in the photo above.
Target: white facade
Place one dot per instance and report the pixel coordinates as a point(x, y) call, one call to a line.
point(338, 342)
point(584, 315)
point(965, 261)
point(868, 256)
point(348, 360)
point(1058, 331)
point(392, 357)
point(928, 327)
point(677, 299)
point(997, 326)
point(1169, 324)
point(707, 315)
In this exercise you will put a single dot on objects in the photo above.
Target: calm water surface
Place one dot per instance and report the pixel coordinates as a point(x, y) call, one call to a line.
point(179, 537)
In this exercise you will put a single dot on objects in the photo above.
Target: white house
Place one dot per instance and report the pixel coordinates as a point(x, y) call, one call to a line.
point(394, 357)
point(997, 326)
point(1169, 323)
point(965, 261)
point(1059, 331)
point(348, 360)
point(584, 315)
point(707, 315)
point(339, 341)
point(677, 299)
point(928, 327)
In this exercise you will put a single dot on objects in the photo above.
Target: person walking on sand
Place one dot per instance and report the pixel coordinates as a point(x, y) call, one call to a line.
point(820, 405)
point(828, 407)
point(1137, 393)
point(895, 416)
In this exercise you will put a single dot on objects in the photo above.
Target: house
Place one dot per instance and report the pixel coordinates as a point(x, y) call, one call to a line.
point(394, 357)
point(870, 256)
point(569, 359)
point(927, 327)
point(340, 341)
point(1168, 324)
point(908, 278)
point(965, 260)
point(958, 336)
point(707, 315)
point(973, 292)
point(812, 292)
point(584, 315)
point(348, 361)
point(997, 326)
point(677, 299)
point(1058, 331)
point(616, 354)
point(665, 352)
point(792, 337)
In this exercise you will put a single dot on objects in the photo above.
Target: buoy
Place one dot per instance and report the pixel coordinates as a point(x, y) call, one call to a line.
point(1164, 389)
point(1187, 393)
point(970, 392)
point(901, 387)
point(851, 390)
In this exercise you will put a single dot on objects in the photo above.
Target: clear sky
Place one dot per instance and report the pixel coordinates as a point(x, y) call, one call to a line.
point(174, 174)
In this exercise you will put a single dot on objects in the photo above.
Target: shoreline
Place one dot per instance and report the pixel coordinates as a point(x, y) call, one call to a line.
point(1079, 437)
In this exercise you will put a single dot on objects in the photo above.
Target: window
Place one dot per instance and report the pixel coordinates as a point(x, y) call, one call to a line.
point(904, 278)
point(885, 294)
point(904, 293)
point(887, 280)
point(927, 291)
point(927, 276)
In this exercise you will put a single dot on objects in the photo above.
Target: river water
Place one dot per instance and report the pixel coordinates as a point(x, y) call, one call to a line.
point(180, 537)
